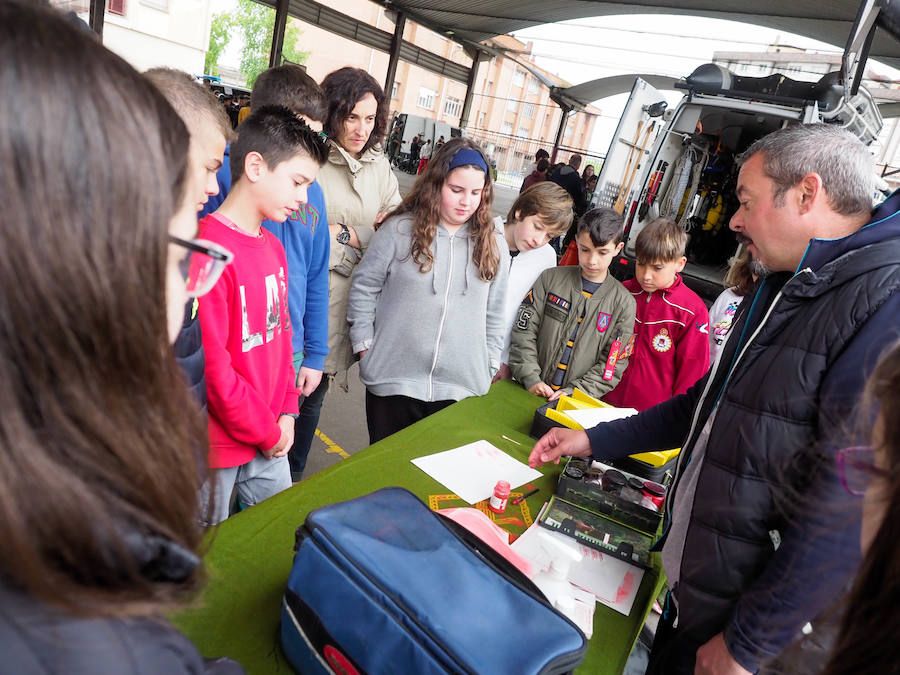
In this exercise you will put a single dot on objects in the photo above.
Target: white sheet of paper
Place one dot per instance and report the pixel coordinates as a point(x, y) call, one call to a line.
point(591, 417)
point(613, 582)
point(471, 471)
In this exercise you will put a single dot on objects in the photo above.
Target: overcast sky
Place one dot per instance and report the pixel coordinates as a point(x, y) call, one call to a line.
point(587, 49)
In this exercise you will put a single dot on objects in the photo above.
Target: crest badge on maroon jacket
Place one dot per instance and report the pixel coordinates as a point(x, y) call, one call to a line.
point(661, 341)
point(603, 320)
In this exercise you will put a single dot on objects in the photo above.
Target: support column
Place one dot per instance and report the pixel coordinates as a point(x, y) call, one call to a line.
point(281, 16)
point(394, 56)
point(561, 130)
point(470, 89)
point(98, 9)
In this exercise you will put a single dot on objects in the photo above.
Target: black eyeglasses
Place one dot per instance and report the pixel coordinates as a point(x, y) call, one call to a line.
point(857, 467)
point(203, 265)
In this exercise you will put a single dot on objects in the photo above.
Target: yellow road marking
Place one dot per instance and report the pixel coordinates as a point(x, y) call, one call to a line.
point(331, 446)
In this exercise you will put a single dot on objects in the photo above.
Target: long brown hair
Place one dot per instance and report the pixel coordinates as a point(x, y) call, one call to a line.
point(740, 275)
point(867, 639)
point(424, 202)
point(98, 435)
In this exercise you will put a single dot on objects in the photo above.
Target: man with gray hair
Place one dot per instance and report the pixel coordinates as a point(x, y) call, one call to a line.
point(758, 540)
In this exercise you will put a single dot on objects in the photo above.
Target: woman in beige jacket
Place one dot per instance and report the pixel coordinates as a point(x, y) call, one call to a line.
point(360, 189)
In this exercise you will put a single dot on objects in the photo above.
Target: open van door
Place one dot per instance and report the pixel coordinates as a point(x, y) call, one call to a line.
point(620, 176)
point(856, 53)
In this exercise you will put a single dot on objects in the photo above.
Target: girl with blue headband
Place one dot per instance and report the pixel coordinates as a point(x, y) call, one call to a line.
point(427, 301)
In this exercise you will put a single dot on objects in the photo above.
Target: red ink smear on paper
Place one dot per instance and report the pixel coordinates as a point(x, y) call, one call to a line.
point(625, 589)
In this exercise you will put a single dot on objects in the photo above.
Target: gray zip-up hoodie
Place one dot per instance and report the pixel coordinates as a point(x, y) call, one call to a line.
point(434, 336)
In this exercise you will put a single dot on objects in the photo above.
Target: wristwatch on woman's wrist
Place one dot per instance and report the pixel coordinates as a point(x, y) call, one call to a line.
point(343, 236)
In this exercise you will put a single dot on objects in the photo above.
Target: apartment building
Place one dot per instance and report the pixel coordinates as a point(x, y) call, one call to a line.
point(150, 33)
point(511, 113)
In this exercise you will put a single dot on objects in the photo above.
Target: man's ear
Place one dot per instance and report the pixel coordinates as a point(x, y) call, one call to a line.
point(809, 191)
point(254, 166)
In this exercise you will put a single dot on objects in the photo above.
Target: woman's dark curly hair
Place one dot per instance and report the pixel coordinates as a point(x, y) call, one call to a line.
point(344, 88)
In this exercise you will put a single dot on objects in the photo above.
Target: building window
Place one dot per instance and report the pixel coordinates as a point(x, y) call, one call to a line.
point(512, 104)
point(528, 110)
point(426, 98)
point(116, 7)
point(507, 129)
point(519, 78)
point(534, 85)
point(523, 132)
point(452, 107)
point(568, 131)
point(481, 120)
point(395, 89)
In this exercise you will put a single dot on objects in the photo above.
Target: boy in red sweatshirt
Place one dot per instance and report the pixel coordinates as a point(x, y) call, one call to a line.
point(670, 348)
point(244, 318)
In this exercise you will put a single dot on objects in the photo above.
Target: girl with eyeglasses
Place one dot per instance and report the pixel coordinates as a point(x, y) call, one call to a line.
point(867, 642)
point(100, 442)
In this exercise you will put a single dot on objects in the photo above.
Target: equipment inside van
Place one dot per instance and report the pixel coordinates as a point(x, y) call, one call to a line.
point(686, 168)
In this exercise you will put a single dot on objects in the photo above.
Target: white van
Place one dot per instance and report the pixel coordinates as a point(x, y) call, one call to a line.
point(680, 163)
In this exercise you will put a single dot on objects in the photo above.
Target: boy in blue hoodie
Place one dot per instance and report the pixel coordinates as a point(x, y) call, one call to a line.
point(307, 245)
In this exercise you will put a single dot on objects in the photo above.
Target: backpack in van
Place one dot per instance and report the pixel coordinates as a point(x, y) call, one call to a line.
point(381, 584)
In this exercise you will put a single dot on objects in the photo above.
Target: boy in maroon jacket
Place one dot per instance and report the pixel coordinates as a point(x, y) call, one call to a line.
point(245, 321)
point(670, 348)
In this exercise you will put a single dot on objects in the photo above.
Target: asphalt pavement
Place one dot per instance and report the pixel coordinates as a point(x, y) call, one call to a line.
point(342, 425)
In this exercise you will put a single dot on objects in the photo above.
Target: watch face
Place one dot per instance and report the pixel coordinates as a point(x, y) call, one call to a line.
point(343, 237)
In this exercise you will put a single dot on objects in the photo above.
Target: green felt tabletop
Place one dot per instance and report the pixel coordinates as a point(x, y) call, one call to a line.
point(250, 555)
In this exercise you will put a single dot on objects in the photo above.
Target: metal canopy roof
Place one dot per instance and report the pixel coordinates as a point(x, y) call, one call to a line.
point(472, 21)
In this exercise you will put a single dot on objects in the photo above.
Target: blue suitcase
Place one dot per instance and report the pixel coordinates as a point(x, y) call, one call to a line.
point(381, 584)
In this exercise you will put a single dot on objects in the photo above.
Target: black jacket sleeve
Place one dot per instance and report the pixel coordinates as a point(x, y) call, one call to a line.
point(662, 427)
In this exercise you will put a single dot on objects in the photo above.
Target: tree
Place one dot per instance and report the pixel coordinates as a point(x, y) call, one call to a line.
point(255, 22)
point(219, 34)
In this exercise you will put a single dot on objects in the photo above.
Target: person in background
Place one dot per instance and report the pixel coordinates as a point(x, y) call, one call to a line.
point(589, 188)
point(360, 189)
point(251, 382)
point(540, 213)
point(210, 130)
point(538, 156)
point(587, 174)
point(227, 103)
point(539, 174)
point(866, 642)
point(426, 304)
point(745, 575)
point(306, 242)
point(567, 177)
point(569, 321)
point(244, 109)
point(739, 281)
point(424, 156)
point(99, 434)
point(671, 343)
point(415, 146)
point(439, 145)
point(394, 142)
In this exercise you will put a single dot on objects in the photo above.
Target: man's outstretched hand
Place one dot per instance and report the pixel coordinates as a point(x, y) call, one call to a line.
point(559, 442)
